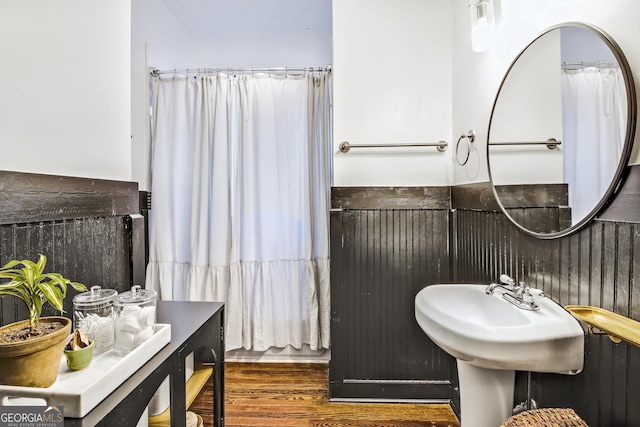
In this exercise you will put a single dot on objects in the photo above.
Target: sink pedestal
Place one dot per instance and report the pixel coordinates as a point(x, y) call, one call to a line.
point(486, 395)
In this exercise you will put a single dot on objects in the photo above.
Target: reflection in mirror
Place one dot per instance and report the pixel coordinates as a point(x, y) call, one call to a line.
point(561, 130)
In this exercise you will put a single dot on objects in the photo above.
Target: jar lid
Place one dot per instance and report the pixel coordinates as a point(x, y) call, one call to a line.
point(95, 295)
point(136, 295)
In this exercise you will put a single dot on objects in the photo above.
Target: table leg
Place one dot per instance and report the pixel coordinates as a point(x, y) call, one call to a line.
point(218, 372)
point(178, 392)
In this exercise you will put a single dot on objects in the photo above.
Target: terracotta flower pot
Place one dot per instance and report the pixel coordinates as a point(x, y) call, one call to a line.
point(34, 362)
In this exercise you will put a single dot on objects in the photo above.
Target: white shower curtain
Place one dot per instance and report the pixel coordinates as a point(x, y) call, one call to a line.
point(594, 117)
point(240, 203)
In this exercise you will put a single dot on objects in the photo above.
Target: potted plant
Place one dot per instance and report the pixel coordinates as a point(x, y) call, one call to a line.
point(31, 350)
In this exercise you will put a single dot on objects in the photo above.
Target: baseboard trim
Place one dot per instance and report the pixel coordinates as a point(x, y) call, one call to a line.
point(379, 400)
point(279, 355)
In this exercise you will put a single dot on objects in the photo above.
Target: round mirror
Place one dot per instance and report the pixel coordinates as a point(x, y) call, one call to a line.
point(561, 130)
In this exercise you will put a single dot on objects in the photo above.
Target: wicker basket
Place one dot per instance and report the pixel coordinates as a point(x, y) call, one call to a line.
point(547, 417)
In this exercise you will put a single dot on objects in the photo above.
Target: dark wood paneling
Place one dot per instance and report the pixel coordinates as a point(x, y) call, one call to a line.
point(598, 265)
point(478, 195)
point(533, 195)
point(27, 197)
point(542, 219)
point(381, 258)
point(138, 248)
point(391, 197)
point(93, 251)
point(89, 229)
point(625, 205)
point(481, 196)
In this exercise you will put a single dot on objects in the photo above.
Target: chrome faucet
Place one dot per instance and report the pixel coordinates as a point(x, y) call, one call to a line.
point(506, 282)
point(517, 294)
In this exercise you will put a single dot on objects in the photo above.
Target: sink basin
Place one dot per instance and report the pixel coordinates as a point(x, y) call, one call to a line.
point(489, 332)
point(491, 338)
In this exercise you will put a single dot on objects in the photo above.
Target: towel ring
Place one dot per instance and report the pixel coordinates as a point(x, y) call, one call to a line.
point(470, 137)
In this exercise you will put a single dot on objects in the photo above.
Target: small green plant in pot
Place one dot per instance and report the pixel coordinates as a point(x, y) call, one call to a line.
point(30, 350)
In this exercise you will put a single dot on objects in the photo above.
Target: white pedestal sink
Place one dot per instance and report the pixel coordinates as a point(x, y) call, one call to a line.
point(491, 339)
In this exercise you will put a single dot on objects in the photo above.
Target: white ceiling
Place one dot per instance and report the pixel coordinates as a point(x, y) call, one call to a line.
point(224, 16)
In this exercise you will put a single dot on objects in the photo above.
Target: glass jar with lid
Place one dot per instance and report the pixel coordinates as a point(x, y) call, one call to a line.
point(135, 317)
point(93, 315)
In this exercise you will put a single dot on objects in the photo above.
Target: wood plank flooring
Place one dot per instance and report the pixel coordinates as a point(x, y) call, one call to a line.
point(295, 395)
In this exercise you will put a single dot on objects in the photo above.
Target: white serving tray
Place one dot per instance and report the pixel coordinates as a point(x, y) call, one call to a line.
point(80, 391)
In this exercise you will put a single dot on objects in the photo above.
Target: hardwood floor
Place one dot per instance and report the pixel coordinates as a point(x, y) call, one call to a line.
point(295, 394)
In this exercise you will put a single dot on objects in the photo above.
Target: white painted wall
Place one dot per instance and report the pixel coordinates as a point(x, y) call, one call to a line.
point(160, 41)
point(405, 72)
point(524, 112)
point(67, 69)
point(392, 82)
point(65, 87)
point(477, 76)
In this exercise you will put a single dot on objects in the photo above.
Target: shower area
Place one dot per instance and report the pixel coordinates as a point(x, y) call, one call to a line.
point(240, 181)
point(245, 61)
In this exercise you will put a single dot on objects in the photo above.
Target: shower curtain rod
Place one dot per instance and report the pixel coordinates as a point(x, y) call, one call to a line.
point(231, 70)
point(600, 64)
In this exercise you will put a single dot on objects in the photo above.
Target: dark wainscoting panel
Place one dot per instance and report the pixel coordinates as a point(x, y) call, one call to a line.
point(599, 265)
point(390, 197)
point(596, 266)
point(90, 230)
point(93, 251)
point(28, 197)
point(604, 394)
point(380, 259)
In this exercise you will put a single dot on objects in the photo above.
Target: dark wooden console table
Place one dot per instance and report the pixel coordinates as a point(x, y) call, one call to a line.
point(196, 327)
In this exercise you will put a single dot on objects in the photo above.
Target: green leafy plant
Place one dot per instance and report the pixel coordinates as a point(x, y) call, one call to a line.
point(29, 282)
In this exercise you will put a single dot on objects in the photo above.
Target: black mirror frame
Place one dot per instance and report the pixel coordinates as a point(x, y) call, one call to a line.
point(622, 168)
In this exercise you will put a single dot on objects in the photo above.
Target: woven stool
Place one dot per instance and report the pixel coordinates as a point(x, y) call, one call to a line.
point(547, 417)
